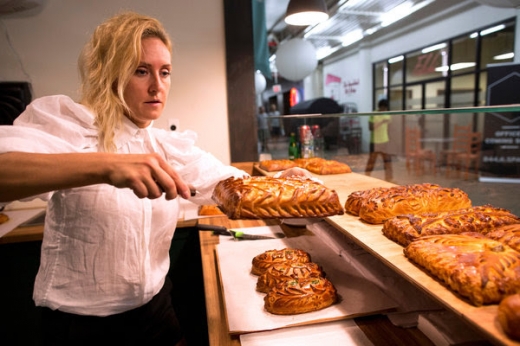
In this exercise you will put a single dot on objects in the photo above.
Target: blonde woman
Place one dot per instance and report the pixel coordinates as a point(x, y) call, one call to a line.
point(111, 181)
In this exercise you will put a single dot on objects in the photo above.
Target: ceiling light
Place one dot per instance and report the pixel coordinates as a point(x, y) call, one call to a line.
point(455, 67)
point(306, 12)
point(433, 48)
point(397, 13)
point(491, 30)
point(352, 37)
point(396, 59)
point(504, 56)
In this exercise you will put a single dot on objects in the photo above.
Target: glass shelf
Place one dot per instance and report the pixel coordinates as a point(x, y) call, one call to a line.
point(489, 174)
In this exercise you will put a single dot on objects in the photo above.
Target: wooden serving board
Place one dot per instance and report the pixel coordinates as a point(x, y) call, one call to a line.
point(371, 238)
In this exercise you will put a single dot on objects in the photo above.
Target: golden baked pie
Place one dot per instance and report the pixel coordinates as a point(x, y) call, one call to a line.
point(269, 197)
point(281, 272)
point(380, 204)
point(508, 316)
point(508, 234)
point(276, 165)
point(327, 167)
point(269, 258)
point(476, 267)
point(303, 162)
point(298, 296)
point(404, 229)
point(3, 218)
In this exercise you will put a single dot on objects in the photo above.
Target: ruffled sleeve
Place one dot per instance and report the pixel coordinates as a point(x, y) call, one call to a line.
point(196, 166)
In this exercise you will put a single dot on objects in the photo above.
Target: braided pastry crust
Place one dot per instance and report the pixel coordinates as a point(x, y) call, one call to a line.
point(379, 204)
point(281, 272)
point(268, 197)
point(508, 234)
point(404, 229)
point(478, 268)
point(285, 256)
point(300, 296)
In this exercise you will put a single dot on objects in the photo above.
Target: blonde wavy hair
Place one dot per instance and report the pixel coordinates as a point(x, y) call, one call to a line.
point(106, 64)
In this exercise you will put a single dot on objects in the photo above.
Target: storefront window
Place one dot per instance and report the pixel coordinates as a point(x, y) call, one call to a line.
point(395, 70)
point(497, 44)
point(463, 58)
point(426, 63)
point(380, 75)
point(462, 91)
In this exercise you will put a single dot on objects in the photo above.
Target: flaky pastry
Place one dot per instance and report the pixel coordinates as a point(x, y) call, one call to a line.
point(281, 272)
point(300, 296)
point(478, 268)
point(276, 165)
point(404, 229)
point(267, 259)
point(269, 197)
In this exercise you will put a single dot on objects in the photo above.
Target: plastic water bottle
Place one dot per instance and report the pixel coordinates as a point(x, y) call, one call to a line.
point(308, 145)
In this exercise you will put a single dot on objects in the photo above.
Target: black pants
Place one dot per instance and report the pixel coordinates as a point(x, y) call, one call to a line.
point(154, 323)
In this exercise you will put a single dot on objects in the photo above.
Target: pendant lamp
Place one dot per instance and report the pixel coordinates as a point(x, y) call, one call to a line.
point(306, 12)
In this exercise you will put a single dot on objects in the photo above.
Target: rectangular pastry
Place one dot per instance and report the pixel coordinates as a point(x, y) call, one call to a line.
point(379, 204)
point(404, 229)
point(269, 197)
point(476, 267)
point(318, 165)
point(276, 165)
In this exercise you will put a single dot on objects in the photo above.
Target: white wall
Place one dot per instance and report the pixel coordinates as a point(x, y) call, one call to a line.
point(46, 44)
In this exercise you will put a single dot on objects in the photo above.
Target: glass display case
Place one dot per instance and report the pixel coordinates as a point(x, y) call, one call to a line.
point(476, 149)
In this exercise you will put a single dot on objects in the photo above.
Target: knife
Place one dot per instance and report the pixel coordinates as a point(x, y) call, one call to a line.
point(217, 230)
point(239, 235)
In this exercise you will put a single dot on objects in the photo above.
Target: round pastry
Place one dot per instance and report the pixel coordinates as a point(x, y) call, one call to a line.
point(509, 315)
point(269, 258)
point(281, 272)
point(300, 295)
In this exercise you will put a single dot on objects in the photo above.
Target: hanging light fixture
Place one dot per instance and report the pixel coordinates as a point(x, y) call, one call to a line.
point(306, 12)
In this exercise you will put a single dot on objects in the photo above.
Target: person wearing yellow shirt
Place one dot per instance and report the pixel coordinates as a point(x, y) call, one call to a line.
point(379, 140)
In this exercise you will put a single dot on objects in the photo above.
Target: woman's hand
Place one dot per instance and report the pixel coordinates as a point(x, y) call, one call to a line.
point(148, 175)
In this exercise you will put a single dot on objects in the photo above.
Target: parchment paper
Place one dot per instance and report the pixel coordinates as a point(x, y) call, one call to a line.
point(245, 306)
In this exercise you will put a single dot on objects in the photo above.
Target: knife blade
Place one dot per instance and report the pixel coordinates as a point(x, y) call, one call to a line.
point(239, 235)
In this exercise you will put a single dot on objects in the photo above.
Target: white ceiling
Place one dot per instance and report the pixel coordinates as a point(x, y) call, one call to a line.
point(353, 19)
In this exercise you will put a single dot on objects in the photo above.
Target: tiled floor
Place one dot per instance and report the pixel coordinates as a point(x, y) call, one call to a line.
point(503, 195)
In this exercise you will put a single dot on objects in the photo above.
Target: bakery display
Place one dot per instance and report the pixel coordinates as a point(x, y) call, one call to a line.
point(300, 296)
point(508, 234)
point(404, 229)
point(276, 165)
point(269, 197)
point(509, 316)
point(379, 204)
point(3, 218)
point(269, 258)
point(281, 272)
point(481, 269)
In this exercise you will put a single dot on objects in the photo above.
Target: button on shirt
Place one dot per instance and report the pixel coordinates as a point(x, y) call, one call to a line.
point(104, 250)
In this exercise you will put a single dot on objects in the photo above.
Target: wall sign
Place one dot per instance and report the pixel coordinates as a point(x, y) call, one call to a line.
point(500, 157)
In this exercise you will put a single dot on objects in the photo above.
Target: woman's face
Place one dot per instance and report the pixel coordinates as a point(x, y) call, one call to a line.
point(148, 88)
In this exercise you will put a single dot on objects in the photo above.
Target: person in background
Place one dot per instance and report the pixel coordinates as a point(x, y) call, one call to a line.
point(274, 121)
point(112, 182)
point(378, 125)
point(263, 128)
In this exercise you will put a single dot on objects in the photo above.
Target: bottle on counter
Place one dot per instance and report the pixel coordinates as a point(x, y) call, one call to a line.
point(308, 145)
point(293, 147)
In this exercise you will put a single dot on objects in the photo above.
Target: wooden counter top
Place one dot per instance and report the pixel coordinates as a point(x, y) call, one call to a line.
point(377, 328)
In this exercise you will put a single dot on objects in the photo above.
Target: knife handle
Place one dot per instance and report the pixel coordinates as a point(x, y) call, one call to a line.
point(221, 230)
